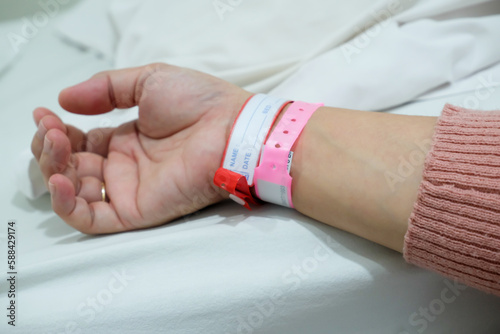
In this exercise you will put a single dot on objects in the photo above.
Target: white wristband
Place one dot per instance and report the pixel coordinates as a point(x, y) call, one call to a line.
point(249, 133)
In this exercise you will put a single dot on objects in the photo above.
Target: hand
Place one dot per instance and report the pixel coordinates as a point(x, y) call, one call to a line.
point(156, 168)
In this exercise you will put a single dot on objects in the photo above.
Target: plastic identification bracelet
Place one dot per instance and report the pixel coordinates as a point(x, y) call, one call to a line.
point(242, 153)
point(273, 182)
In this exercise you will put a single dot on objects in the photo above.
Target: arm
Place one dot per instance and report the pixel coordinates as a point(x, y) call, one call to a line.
point(345, 169)
point(365, 173)
point(360, 171)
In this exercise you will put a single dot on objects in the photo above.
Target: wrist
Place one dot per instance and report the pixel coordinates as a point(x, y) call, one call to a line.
point(237, 103)
point(242, 152)
point(299, 149)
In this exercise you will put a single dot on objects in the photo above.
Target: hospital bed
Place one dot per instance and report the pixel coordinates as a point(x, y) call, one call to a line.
point(222, 270)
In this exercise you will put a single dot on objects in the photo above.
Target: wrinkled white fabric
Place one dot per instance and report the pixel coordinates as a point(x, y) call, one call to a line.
point(254, 44)
point(11, 43)
point(308, 45)
point(392, 64)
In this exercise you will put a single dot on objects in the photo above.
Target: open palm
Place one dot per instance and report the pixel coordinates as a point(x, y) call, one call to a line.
point(156, 168)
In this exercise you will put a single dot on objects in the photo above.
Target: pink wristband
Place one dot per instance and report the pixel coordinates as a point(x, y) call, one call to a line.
point(272, 179)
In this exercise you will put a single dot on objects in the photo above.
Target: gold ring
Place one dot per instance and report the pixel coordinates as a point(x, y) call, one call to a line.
point(103, 192)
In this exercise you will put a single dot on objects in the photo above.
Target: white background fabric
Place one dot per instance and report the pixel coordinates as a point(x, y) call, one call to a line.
point(430, 44)
point(223, 269)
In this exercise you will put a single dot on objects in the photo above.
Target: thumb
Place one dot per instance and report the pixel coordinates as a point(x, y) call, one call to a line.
point(105, 91)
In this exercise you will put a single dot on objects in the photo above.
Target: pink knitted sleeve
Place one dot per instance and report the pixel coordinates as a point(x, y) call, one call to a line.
point(455, 225)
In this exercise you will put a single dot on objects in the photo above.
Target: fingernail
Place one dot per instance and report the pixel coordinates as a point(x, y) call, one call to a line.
point(47, 145)
point(52, 188)
point(42, 130)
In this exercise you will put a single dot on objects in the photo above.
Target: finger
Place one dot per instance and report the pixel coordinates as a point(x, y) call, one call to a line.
point(56, 154)
point(40, 113)
point(48, 122)
point(130, 87)
point(96, 140)
point(90, 189)
point(92, 218)
point(106, 91)
point(89, 165)
point(57, 158)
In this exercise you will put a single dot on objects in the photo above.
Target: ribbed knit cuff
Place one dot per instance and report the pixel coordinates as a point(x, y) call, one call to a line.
point(455, 225)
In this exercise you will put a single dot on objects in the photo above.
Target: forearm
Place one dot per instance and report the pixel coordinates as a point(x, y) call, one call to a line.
point(360, 171)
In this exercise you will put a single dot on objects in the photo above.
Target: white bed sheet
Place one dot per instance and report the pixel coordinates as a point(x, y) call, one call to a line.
point(224, 270)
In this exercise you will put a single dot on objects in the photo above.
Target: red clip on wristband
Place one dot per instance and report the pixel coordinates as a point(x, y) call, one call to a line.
point(237, 186)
